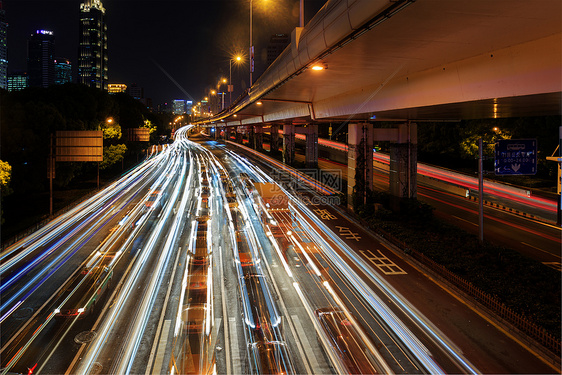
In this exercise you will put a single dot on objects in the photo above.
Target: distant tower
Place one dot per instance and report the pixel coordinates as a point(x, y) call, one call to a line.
point(3, 49)
point(40, 59)
point(277, 44)
point(92, 52)
point(63, 71)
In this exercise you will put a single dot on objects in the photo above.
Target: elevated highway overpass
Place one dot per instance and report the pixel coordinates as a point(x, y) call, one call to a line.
point(405, 61)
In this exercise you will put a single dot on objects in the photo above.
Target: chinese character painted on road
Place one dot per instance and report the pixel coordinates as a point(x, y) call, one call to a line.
point(348, 234)
point(324, 214)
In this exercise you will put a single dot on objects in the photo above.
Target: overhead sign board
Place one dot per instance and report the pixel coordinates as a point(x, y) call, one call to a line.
point(138, 134)
point(84, 145)
point(516, 157)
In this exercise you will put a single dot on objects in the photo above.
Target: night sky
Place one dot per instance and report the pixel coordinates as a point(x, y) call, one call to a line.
point(173, 49)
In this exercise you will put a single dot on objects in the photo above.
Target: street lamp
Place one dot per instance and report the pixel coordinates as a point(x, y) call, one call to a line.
point(230, 86)
point(221, 82)
point(251, 49)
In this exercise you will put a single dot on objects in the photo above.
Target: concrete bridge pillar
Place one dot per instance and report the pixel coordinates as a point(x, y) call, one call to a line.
point(359, 163)
point(239, 135)
point(403, 163)
point(311, 158)
point(258, 138)
point(289, 144)
point(274, 139)
point(251, 137)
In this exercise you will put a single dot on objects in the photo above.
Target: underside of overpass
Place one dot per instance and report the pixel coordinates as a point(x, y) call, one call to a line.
point(408, 61)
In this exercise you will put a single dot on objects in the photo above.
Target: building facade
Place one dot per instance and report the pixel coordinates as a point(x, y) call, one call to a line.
point(92, 50)
point(3, 49)
point(277, 44)
point(115, 88)
point(63, 71)
point(135, 91)
point(41, 59)
point(17, 81)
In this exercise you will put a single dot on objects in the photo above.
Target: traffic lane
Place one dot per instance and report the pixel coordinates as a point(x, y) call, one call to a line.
point(505, 229)
point(60, 331)
point(541, 241)
point(489, 347)
point(76, 235)
point(49, 287)
point(390, 343)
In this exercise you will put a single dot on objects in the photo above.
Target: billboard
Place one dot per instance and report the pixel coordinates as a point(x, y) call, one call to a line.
point(81, 145)
point(516, 157)
point(138, 135)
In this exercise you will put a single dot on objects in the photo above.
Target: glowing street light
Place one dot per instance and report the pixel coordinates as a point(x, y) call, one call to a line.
point(230, 86)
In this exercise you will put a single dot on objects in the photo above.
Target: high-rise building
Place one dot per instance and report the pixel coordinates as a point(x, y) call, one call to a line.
point(3, 49)
point(63, 71)
point(40, 59)
point(277, 44)
point(136, 91)
point(179, 106)
point(92, 51)
point(17, 81)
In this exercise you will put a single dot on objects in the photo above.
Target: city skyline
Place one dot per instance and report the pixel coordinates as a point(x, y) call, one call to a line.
point(173, 50)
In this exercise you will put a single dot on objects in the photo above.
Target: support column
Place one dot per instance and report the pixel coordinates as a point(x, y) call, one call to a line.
point(251, 137)
point(217, 131)
point(403, 164)
point(289, 144)
point(311, 158)
point(274, 139)
point(239, 135)
point(258, 138)
point(359, 163)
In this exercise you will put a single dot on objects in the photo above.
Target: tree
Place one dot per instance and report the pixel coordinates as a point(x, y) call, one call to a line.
point(149, 125)
point(112, 154)
point(5, 177)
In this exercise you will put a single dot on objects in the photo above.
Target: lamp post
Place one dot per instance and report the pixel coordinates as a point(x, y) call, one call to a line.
point(301, 13)
point(230, 86)
point(221, 82)
point(251, 49)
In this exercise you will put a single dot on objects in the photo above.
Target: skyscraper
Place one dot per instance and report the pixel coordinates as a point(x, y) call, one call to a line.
point(40, 59)
point(92, 53)
point(63, 71)
point(3, 49)
point(277, 44)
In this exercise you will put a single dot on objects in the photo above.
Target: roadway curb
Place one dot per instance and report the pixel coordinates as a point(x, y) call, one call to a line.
point(512, 211)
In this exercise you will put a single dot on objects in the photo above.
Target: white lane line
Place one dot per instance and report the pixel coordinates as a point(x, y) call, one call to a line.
point(466, 221)
point(307, 348)
point(161, 320)
point(224, 314)
point(235, 348)
point(161, 348)
point(539, 249)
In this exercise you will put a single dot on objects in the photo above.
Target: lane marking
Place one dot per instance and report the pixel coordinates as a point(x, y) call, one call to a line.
point(308, 349)
point(383, 263)
point(507, 223)
point(466, 221)
point(556, 265)
point(161, 320)
point(235, 349)
point(539, 249)
point(225, 315)
point(161, 347)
